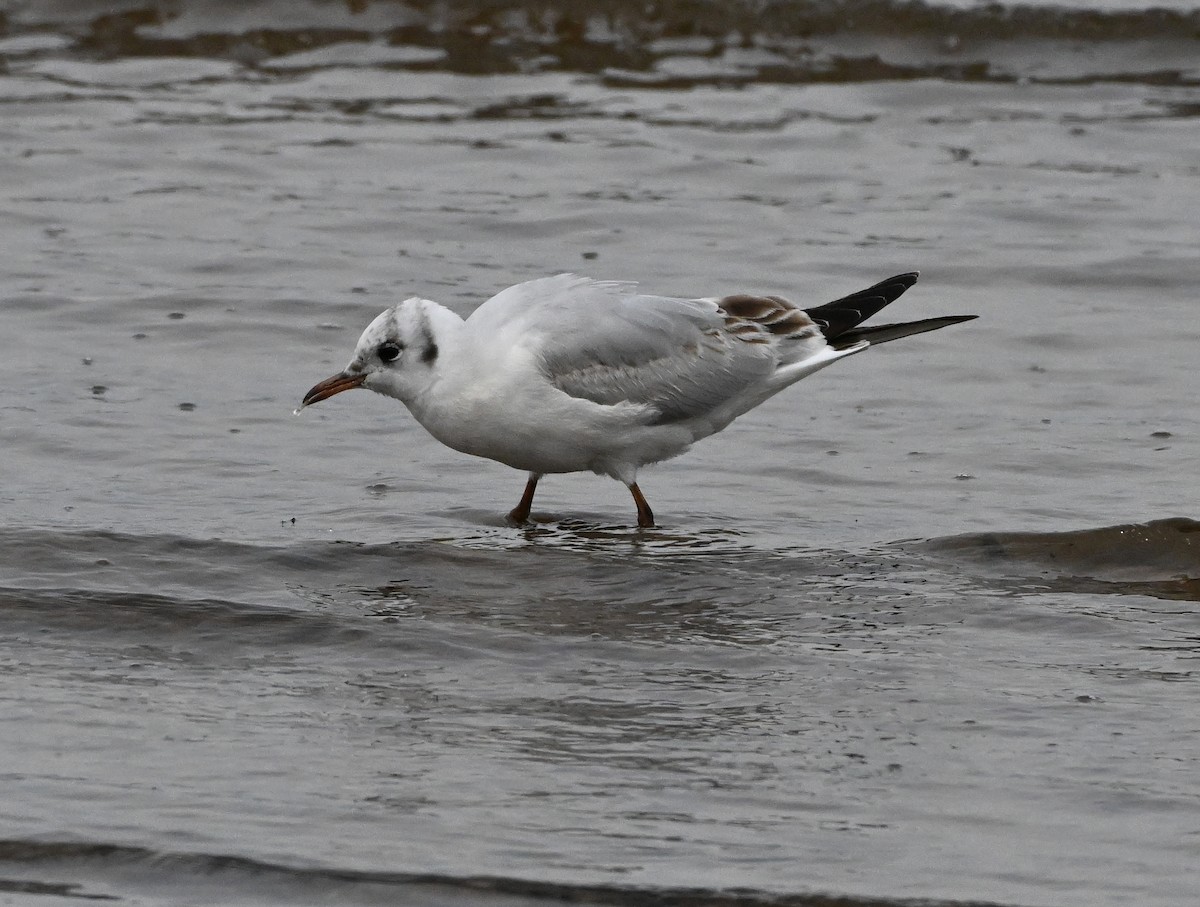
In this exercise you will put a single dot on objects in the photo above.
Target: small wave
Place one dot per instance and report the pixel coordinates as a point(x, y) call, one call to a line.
point(634, 44)
point(1160, 558)
point(481, 594)
point(233, 879)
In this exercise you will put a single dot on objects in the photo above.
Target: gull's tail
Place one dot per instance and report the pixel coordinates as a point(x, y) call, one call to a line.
point(840, 320)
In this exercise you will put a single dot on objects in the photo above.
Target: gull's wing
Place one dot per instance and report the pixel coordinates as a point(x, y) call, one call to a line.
point(603, 342)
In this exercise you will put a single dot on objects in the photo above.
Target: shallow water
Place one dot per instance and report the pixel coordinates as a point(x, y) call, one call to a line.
point(923, 627)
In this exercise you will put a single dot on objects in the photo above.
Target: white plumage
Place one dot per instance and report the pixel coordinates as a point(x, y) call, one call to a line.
point(568, 374)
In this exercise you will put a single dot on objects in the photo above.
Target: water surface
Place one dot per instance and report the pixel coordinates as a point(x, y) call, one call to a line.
point(922, 629)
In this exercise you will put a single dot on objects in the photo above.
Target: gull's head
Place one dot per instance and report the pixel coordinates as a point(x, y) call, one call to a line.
point(395, 355)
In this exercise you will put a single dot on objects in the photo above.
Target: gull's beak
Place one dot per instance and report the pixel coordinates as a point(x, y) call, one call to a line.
point(342, 381)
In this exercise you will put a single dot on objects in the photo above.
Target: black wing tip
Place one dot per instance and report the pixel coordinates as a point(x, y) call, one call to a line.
point(894, 287)
point(842, 315)
point(883, 333)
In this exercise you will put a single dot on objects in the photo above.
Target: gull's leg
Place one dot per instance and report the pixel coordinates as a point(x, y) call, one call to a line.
point(645, 514)
point(520, 513)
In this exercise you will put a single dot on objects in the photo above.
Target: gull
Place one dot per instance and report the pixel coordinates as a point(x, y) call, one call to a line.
point(569, 374)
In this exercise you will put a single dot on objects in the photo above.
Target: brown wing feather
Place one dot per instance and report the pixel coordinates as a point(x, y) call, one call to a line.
point(755, 318)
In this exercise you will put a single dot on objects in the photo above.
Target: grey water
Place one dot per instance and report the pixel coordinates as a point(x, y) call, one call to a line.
point(922, 629)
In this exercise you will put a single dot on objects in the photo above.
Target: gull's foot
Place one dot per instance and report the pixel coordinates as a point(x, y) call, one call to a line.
point(518, 517)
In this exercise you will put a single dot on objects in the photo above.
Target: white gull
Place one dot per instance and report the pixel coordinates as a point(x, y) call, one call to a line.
point(568, 374)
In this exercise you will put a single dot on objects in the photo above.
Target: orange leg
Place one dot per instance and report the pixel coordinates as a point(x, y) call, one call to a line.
point(645, 514)
point(520, 513)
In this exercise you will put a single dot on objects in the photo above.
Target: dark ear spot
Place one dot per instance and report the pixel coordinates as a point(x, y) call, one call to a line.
point(429, 350)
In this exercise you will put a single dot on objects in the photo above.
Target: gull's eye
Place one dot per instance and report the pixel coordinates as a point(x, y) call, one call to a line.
point(389, 352)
